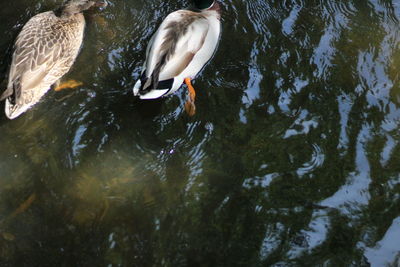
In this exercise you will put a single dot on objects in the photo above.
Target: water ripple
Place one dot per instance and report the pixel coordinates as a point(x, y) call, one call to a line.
point(316, 161)
point(294, 148)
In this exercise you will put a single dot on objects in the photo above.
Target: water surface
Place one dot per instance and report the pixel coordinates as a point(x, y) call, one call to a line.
point(291, 160)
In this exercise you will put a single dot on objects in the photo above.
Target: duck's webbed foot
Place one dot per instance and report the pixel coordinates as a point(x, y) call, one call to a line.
point(68, 84)
point(190, 107)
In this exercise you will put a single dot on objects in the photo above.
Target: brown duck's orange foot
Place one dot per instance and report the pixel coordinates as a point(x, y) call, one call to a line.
point(189, 105)
point(68, 84)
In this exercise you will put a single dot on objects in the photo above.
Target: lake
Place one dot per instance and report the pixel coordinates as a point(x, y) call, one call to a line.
point(292, 158)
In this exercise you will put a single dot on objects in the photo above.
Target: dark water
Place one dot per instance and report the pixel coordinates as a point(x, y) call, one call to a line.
point(291, 160)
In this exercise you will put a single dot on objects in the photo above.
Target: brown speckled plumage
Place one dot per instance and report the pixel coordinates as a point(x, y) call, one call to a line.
point(44, 51)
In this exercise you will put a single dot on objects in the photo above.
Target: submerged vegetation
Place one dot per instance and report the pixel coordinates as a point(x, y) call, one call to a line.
point(291, 159)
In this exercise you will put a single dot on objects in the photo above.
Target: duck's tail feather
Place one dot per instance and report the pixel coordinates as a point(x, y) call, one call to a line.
point(14, 110)
point(146, 83)
point(155, 76)
point(7, 93)
point(147, 89)
point(13, 92)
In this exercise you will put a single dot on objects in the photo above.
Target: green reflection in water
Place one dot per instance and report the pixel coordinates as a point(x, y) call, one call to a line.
point(291, 159)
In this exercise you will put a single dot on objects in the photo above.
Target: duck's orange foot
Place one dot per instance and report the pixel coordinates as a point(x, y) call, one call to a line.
point(68, 84)
point(190, 107)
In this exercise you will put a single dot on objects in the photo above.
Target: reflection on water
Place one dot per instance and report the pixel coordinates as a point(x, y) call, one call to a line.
point(291, 159)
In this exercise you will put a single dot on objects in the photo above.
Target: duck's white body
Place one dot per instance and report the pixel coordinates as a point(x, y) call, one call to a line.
point(182, 45)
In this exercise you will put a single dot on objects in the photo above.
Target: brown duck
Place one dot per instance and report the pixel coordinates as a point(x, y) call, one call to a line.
point(44, 51)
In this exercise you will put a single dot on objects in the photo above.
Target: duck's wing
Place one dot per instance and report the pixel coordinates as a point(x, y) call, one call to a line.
point(36, 51)
point(172, 48)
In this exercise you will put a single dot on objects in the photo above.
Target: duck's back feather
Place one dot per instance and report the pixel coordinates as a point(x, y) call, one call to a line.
point(172, 48)
point(44, 51)
point(40, 46)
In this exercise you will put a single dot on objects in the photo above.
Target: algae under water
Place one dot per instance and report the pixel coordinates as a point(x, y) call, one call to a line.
point(291, 160)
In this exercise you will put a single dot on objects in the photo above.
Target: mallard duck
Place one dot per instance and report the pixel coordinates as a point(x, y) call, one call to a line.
point(44, 51)
point(182, 45)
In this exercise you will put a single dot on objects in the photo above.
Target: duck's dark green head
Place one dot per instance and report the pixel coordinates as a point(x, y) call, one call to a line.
point(203, 4)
